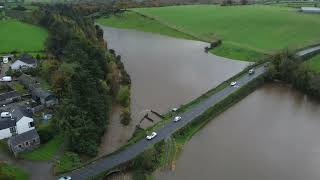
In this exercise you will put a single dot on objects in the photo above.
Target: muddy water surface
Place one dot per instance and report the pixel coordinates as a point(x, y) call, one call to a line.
point(273, 134)
point(166, 72)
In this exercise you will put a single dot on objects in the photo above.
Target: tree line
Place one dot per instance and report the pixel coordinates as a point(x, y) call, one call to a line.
point(291, 69)
point(78, 68)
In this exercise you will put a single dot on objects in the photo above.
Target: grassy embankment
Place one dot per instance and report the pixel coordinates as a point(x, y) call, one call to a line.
point(45, 151)
point(22, 37)
point(314, 63)
point(10, 171)
point(247, 32)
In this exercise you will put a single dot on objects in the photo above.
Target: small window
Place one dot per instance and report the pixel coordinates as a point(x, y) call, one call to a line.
point(13, 130)
point(27, 143)
point(34, 141)
point(31, 124)
point(20, 146)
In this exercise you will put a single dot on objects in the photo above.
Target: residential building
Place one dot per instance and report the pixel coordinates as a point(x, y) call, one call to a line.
point(24, 142)
point(24, 62)
point(39, 95)
point(310, 9)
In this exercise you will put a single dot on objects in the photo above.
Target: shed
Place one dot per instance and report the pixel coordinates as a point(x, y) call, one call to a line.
point(28, 82)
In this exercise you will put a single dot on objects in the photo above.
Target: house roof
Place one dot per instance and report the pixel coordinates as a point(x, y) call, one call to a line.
point(28, 81)
point(17, 111)
point(8, 95)
point(41, 93)
point(20, 111)
point(7, 123)
point(28, 59)
point(21, 138)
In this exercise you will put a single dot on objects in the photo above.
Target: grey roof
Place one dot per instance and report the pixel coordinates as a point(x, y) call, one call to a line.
point(7, 123)
point(8, 95)
point(28, 59)
point(28, 81)
point(43, 94)
point(21, 138)
point(19, 111)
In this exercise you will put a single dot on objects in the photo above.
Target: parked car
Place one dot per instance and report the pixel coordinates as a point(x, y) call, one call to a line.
point(151, 136)
point(6, 79)
point(177, 118)
point(251, 71)
point(233, 83)
point(65, 178)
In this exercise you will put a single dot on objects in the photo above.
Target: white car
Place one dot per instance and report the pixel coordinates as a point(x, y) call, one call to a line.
point(174, 109)
point(233, 83)
point(177, 118)
point(251, 71)
point(151, 136)
point(65, 178)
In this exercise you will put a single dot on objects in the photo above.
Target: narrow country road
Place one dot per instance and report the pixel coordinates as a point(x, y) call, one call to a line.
point(130, 152)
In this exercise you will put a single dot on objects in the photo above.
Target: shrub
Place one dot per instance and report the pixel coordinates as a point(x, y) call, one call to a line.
point(46, 133)
point(125, 116)
point(123, 96)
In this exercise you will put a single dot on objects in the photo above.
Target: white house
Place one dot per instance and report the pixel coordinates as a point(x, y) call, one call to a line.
point(17, 121)
point(24, 62)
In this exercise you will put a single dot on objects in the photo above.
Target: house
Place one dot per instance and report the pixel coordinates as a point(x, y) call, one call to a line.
point(26, 61)
point(39, 95)
point(43, 97)
point(24, 142)
point(9, 97)
point(15, 120)
point(16, 125)
point(310, 9)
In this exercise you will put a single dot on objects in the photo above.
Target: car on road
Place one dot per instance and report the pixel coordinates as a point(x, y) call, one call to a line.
point(151, 136)
point(233, 83)
point(65, 178)
point(251, 71)
point(177, 118)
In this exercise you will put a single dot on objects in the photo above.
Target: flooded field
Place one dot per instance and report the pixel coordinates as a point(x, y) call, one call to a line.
point(166, 73)
point(271, 134)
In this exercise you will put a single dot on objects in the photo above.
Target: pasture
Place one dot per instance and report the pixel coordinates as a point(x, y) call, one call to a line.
point(18, 36)
point(247, 32)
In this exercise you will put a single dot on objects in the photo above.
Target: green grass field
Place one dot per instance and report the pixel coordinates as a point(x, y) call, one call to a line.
point(15, 35)
point(45, 151)
point(13, 171)
point(246, 31)
point(314, 63)
point(131, 20)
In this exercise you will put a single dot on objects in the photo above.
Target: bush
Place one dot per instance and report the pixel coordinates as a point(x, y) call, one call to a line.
point(46, 133)
point(123, 96)
point(125, 116)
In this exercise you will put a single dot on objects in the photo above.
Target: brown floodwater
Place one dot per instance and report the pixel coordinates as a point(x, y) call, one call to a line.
point(273, 134)
point(166, 72)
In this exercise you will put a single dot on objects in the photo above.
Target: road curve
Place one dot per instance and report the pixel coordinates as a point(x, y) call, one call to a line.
point(130, 152)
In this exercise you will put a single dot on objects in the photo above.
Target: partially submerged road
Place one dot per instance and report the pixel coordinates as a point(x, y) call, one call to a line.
point(130, 152)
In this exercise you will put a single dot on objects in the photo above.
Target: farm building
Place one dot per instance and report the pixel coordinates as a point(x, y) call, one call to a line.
point(310, 10)
point(24, 62)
